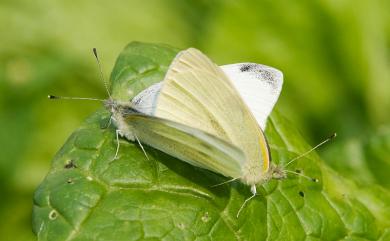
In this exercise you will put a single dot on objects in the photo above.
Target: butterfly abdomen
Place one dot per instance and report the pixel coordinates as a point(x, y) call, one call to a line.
point(253, 173)
point(122, 126)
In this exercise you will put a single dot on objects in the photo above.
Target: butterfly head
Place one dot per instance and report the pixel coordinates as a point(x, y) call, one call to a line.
point(111, 105)
point(277, 172)
point(119, 108)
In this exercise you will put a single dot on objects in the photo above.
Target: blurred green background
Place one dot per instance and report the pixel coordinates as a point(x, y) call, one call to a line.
point(335, 56)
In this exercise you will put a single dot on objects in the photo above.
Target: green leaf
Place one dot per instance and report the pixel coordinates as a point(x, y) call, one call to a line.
point(364, 160)
point(139, 66)
point(87, 196)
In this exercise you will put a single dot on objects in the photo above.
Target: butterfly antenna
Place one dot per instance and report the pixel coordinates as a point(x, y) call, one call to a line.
point(117, 144)
point(101, 71)
point(302, 175)
point(54, 97)
point(312, 149)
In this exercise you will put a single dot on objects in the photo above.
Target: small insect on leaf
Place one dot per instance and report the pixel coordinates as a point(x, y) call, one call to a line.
point(70, 164)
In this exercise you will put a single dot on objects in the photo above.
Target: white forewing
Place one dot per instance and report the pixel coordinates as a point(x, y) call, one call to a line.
point(145, 102)
point(259, 86)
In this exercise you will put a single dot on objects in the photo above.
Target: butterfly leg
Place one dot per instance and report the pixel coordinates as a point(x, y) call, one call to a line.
point(117, 132)
point(142, 147)
point(254, 193)
point(219, 184)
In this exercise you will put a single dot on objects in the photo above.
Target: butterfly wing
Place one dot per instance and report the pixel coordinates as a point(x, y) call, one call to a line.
point(145, 101)
point(259, 86)
point(197, 93)
point(188, 144)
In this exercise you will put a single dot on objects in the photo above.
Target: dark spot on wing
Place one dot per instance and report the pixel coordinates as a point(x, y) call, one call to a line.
point(145, 93)
point(261, 73)
point(302, 194)
point(246, 67)
point(137, 101)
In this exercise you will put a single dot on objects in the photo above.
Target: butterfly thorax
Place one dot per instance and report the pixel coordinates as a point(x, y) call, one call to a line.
point(118, 111)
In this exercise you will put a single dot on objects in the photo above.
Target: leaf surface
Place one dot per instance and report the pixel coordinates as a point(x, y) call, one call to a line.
point(87, 196)
point(365, 160)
